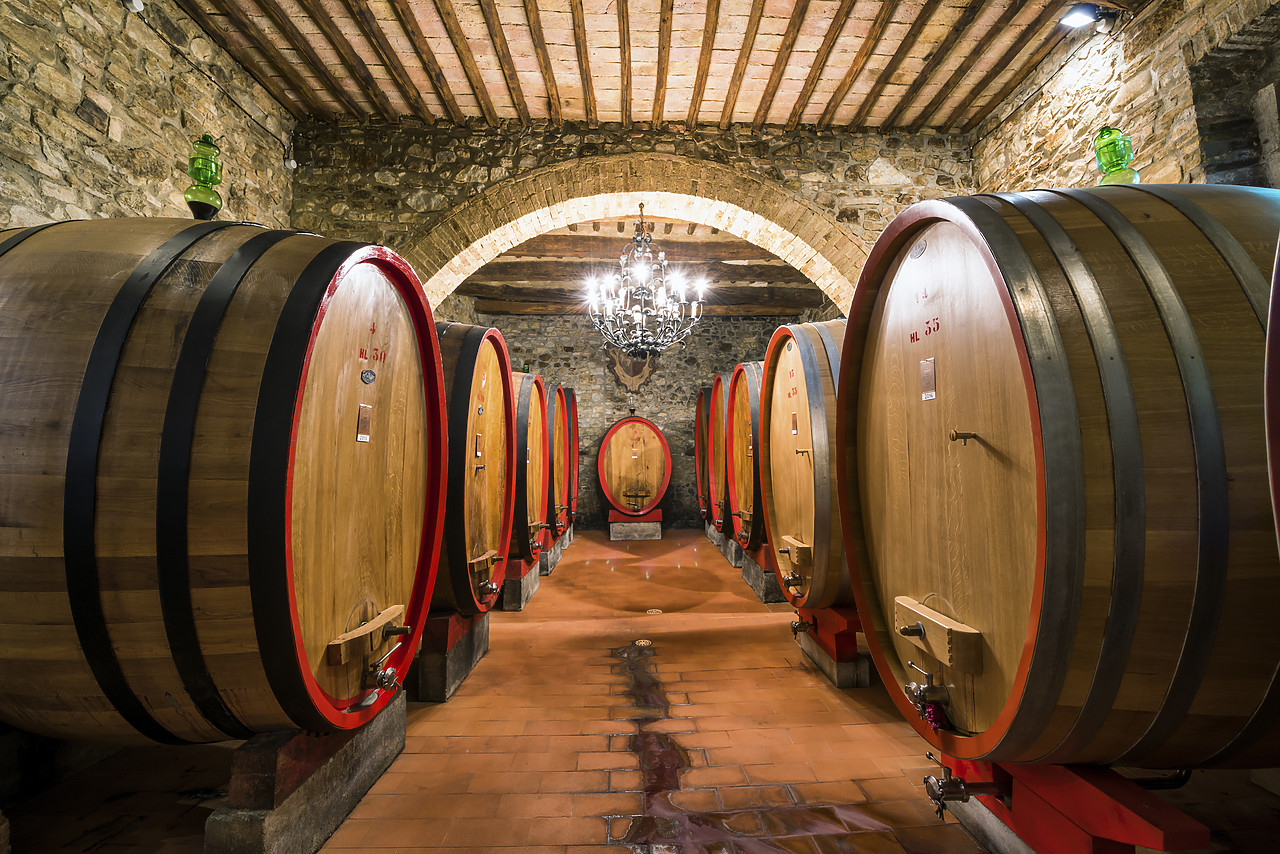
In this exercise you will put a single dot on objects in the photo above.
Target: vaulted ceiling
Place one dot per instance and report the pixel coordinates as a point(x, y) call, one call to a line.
point(855, 64)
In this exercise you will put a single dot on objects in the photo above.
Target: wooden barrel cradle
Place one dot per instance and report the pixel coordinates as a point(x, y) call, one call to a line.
point(529, 515)
point(482, 467)
point(798, 479)
point(742, 469)
point(701, 452)
point(718, 421)
point(561, 484)
point(634, 466)
point(1054, 477)
point(575, 447)
point(221, 481)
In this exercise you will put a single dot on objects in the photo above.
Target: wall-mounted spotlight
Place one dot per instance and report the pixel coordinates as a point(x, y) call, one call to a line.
point(1083, 14)
point(134, 6)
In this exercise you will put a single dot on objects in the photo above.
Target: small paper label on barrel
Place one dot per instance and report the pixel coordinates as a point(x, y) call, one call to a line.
point(928, 380)
point(364, 419)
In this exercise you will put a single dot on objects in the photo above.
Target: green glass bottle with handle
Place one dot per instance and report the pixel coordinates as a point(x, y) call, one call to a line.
point(205, 168)
point(1114, 152)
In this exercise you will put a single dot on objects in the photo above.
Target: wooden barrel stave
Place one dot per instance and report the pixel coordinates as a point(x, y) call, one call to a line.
point(798, 482)
point(482, 467)
point(132, 472)
point(742, 462)
point(719, 419)
point(529, 514)
point(1145, 713)
point(634, 466)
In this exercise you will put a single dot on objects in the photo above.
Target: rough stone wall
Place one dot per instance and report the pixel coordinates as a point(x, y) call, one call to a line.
point(379, 183)
point(1139, 79)
point(567, 349)
point(98, 109)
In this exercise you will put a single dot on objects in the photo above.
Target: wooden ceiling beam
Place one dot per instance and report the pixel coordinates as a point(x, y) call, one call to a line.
point(820, 62)
point(709, 27)
point(899, 54)
point(979, 49)
point(302, 45)
point(491, 20)
point(355, 65)
point(664, 60)
point(1052, 40)
point(624, 49)
point(780, 63)
point(608, 248)
point(544, 61)
point(463, 49)
point(878, 26)
point(372, 30)
point(772, 299)
point(300, 100)
point(413, 28)
point(740, 67)
point(535, 308)
point(1050, 13)
point(714, 273)
point(941, 52)
point(584, 62)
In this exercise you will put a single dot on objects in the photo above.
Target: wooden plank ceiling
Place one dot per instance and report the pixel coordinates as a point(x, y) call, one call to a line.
point(548, 274)
point(852, 64)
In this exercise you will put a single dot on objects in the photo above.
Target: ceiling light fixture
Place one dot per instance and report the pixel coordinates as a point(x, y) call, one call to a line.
point(636, 309)
point(1083, 14)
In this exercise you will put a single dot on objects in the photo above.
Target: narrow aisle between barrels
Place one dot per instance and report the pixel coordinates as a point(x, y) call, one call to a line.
point(713, 733)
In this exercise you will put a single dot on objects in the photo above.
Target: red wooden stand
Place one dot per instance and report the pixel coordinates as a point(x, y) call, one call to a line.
point(1081, 809)
point(835, 630)
point(618, 516)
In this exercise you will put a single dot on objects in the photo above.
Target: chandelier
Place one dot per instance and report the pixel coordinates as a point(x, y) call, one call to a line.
point(637, 309)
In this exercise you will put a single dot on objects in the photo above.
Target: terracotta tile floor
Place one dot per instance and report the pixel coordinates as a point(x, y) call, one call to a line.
point(720, 737)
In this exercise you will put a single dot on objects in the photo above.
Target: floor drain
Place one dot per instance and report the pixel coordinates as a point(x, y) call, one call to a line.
point(654, 611)
point(642, 642)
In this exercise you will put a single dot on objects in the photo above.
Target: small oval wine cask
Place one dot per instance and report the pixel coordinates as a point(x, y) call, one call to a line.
point(634, 465)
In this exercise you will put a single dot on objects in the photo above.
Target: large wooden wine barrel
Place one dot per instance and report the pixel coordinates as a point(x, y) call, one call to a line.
point(223, 452)
point(1055, 477)
point(798, 480)
point(634, 466)
point(533, 466)
point(482, 467)
point(561, 484)
point(571, 411)
point(718, 488)
point(702, 452)
point(742, 462)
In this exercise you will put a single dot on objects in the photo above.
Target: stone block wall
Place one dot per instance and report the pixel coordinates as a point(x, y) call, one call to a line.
point(1138, 79)
point(381, 183)
point(98, 109)
point(567, 349)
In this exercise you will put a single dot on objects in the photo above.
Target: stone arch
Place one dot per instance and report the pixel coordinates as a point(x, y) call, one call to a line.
point(512, 211)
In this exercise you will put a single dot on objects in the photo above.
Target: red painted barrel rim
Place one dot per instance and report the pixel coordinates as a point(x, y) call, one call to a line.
point(780, 335)
point(558, 519)
point(895, 237)
point(345, 713)
point(666, 466)
point(540, 393)
point(737, 381)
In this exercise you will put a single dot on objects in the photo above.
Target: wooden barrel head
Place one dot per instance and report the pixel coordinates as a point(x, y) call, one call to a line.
point(719, 419)
point(634, 465)
point(574, 450)
point(532, 467)
point(701, 451)
point(561, 486)
point(742, 468)
point(798, 482)
point(482, 466)
point(1053, 464)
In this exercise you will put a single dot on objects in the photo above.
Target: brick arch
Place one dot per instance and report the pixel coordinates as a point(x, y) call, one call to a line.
point(512, 211)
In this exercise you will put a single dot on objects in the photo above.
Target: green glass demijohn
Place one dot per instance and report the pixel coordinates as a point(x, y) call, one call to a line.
point(1114, 152)
point(205, 169)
